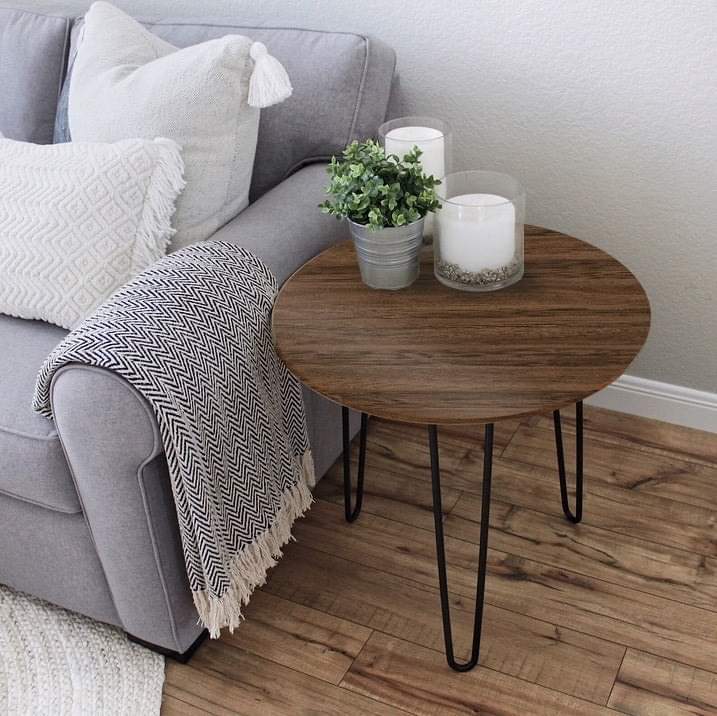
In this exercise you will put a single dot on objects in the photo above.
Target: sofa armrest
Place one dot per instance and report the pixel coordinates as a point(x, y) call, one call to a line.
point(112, 442)
point(285, 227)
point(114, 450)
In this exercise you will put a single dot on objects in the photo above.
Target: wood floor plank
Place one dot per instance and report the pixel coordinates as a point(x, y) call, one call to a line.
point(611, 612)
point(404, 447)
point(531, 649)
point(616, 464)
point(407, 497)
point(398, 472)
point(172, 706)
point(416, 679)
point(650, 686)
point(656, 569)
point(404, 497)
point(472, 435)
point(632, 558)
point(225, 680)
point(640, 433)
point(401, 449)
point(294, 635)
point(633, 513)
point(189, 690)
point(593, 606)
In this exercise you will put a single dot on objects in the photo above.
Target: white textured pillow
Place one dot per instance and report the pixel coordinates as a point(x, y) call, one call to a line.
point(127, 82)
point(78, 220)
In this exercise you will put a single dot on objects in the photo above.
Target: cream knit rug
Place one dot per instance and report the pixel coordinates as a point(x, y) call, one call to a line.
point(57, 663)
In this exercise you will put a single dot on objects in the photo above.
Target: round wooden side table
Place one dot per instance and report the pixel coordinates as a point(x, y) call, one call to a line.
point(431, 355)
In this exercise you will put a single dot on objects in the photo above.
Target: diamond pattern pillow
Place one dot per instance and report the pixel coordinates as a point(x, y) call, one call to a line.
point(78, 220)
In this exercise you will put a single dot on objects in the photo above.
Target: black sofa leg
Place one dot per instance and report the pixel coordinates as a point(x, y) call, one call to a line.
point(181, 657)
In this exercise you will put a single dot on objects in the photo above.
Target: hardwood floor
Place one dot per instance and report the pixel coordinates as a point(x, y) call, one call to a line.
point(615, 615)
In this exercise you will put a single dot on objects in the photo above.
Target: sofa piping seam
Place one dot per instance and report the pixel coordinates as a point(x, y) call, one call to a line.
point(21, 434)
point(52, 508)
point(34, 13)
point(65, 64)
point(188, 22)
point(359, 94)
point(155, 550)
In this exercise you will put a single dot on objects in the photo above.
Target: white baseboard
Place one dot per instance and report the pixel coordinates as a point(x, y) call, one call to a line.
point(661, 401)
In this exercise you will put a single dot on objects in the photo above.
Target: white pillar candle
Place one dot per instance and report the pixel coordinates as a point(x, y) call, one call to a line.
point(477, 231)
point(430, 141)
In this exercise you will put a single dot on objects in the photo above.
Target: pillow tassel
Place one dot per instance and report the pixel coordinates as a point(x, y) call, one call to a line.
point(269, 83)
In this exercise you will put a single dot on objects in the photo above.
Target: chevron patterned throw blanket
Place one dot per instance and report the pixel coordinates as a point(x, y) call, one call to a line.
point(192, 334)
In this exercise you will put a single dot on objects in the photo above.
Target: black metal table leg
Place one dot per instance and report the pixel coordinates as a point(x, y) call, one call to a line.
point(578, 515)
point(441, 550)
point(352, 513)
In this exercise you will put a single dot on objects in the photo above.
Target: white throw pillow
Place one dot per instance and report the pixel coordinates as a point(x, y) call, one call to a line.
point(78, 220)
point(127, 82)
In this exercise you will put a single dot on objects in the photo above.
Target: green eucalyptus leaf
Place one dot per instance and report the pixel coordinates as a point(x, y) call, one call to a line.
point(376, 190)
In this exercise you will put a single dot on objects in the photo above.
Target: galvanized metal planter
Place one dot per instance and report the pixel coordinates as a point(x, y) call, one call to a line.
point(388, 258)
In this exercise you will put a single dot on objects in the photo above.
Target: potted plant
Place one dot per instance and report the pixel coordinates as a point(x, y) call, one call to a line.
point(385, 199)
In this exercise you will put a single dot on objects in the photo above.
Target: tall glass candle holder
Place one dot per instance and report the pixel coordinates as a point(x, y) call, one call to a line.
point(478, 234)
point(432, 136)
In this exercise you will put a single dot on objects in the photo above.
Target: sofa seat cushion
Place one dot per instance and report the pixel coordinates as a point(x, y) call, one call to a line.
point(32, 464)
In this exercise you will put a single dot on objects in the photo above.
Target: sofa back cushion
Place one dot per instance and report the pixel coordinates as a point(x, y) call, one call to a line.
point(342, 83)
point(32, 59)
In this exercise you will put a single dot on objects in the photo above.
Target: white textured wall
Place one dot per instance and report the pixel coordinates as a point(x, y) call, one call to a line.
point(605, 109)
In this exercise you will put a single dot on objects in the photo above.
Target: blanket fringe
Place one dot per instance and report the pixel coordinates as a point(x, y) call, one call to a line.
point(248, 568)
point(308, 472)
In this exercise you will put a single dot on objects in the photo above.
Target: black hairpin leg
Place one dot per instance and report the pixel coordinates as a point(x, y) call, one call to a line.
point(441, 550)
point(578, 515)
point(352, 513)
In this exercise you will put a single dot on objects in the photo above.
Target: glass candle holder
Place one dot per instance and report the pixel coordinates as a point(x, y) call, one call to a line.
point(432, 136)
point(478, 234)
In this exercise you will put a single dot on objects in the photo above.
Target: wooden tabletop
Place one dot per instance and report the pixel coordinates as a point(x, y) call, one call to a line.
point(430, 354)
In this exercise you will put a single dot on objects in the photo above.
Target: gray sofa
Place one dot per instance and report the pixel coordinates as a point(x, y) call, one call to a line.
point(87, 518)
